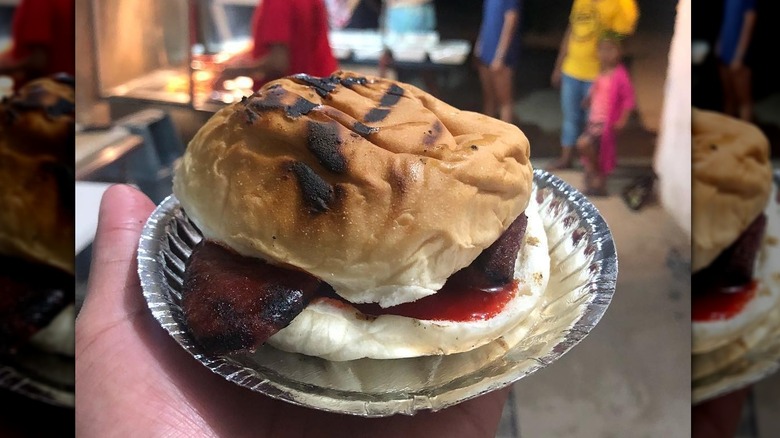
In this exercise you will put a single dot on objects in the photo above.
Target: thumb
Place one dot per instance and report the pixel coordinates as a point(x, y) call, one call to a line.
point(113, 291)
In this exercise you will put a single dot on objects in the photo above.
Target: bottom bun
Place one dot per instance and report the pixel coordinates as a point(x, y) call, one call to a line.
point(329, 329)
point(707, 364)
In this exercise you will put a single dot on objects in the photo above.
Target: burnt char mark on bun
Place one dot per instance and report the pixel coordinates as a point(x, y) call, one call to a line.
point(251, 116)
point(323, 86)
point(376, 115)
point(325, 143)
point(433, 134)
point(364, 130)
point(388, 100)
point(64, 78)
point(62, 107)
point(272, 100)
point(393, 94)
point(350, 81)
point(36, 99)
point(299, 108)
point(316, 192)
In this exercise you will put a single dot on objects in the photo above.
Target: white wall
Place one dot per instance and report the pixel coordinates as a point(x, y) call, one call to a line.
point(673, 152)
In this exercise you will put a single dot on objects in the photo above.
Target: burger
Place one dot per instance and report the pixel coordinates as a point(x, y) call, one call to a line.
point(36, 221)
point(732, 181)
point(351, 217)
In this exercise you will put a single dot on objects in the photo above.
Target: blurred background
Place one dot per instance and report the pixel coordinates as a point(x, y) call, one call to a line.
point(707, 89)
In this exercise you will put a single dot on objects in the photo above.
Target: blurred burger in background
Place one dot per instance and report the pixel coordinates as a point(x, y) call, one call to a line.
point(732, 183)
point(37, 218)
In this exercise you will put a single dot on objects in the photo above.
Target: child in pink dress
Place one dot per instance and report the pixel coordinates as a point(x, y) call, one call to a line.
point(610, 101)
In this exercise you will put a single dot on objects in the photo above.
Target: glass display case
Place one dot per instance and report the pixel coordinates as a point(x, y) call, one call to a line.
point(170, 51)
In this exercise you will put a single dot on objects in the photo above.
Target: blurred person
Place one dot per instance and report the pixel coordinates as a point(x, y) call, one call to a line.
point(577, 64)
point(734, 56)
point(354, 14)
point(132, 379)
point(43, 34)
point(289, 37)
point(497, 50)
point(408, 16)
point(609, 102)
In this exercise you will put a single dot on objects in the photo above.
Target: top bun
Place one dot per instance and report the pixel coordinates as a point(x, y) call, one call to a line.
point(40, 118)
point(732, 179)
point(36, 172)
point(373, 186)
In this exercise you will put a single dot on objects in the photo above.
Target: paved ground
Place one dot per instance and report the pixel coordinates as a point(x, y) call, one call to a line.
point(631, 375)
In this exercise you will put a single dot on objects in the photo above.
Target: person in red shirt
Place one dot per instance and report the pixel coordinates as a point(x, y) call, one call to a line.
point(290, 36)
point(43, 34)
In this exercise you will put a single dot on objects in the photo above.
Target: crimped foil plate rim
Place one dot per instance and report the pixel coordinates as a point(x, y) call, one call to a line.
point(152, 278)
point(16, 381)
point(758, 363)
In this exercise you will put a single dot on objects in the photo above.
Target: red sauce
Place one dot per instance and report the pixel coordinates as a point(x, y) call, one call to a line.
point(452, 303)
point(722, 303)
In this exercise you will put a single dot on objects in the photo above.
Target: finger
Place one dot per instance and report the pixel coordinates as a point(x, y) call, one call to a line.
point(113, 289)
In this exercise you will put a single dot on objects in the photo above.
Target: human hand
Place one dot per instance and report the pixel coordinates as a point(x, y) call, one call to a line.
point(132, 379)
point(718, 418)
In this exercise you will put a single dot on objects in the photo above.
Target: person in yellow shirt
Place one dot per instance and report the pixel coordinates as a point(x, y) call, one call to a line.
point(577, 64)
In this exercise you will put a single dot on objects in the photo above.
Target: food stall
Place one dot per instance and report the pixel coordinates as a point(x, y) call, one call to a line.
point(167, 54)
point(147, 54)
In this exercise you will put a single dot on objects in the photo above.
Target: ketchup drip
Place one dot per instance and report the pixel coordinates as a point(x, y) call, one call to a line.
point(723, 303)
point(456, 301)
